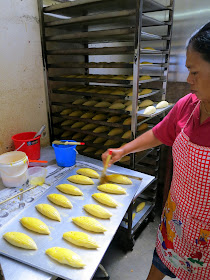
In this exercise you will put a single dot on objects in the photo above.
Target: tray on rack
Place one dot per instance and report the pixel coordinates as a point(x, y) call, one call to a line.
point(157, 112)
point(72, 8)
point(91, 257)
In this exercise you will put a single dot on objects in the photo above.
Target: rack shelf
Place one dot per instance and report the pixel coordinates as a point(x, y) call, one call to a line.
point(138, 217)
point(110, 35)
point(77, 8)
point(157, 112)
point(126, 17)
point(107, 96)
point(110, 80)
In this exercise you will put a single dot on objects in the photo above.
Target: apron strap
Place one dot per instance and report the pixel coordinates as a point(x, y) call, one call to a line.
point(191, 115)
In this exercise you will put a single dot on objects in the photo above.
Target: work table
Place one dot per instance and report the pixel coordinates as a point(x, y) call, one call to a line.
point(12, 269)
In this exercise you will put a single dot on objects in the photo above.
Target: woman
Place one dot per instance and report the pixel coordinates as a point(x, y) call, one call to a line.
point(183, 239)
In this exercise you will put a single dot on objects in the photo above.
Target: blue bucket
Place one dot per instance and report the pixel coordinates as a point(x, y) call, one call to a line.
point(65, 154)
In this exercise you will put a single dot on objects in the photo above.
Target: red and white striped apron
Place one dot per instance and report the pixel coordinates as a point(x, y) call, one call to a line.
point(183, 239)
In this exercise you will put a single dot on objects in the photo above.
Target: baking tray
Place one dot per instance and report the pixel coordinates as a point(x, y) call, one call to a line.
point(76, 8)
point(157, 112)
point(92, 258)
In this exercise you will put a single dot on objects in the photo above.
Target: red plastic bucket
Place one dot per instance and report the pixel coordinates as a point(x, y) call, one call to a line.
point(31, 146)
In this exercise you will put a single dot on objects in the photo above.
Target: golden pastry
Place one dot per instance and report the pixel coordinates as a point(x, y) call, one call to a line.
point(105, 199)
point(80, 239)
point(119, 179)
point(115, 131)
point(69, 189)
point(89, 224)
point(49, 211)
point(21, 240)
point(88, 172)
point(81, 180)
point(35, 224)
point(65, 256)
point(60, 200)
point(140, 206)
point(145, 103)
point(101, 129)
point(111, 188)
point(97, 211)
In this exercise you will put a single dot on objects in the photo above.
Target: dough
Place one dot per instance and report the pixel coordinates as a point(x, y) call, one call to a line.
point(48, 211)
point(162, 104)
point(105, 199)
point(35, 224)
point(60, 200)
point(97, 211)
point(119, 179)
point(89, 224)
point(111, 188)
point(149, 110)
point(65, 256)
point(21, 240)
point(80, 239)
point(88, 172)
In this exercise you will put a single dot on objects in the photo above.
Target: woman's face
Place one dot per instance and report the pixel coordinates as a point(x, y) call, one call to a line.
point(199, 75)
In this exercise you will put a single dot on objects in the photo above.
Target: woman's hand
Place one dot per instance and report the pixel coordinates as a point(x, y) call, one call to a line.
point(117, 154)
point(141, 143)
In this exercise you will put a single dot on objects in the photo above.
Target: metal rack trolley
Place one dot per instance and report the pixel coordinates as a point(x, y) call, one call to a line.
point(93, 49)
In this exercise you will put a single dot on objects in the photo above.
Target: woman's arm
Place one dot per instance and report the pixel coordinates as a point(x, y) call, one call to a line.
point(141, 143)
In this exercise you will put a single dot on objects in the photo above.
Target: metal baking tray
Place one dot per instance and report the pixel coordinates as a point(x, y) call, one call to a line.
point(108, 80)
point(93, 64)
point(157, 112)
point(86, 121)
point(110, 35)
point(125, 17)
point(92, 51)
point(89, 108)
point(58, 93)
point(97, 95)
point(92, 258)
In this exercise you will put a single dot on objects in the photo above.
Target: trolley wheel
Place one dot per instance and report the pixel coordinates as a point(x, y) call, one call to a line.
point(130, 244)
point(127, 244)
point(152, 216)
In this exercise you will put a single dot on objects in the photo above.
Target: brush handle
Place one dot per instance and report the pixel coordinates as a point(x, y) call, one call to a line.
point(40, 131)
point(57, 142)
point(107, 162)
point(17, 194)
point(38, 161)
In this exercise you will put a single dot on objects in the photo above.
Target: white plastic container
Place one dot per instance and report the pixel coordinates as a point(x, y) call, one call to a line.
point(14, 169)
point(37, 175)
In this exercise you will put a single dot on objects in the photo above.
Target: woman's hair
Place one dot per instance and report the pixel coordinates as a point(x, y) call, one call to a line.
point(200, 42)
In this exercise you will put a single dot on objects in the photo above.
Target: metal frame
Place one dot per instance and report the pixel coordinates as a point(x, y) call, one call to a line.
point(45, 69)
point(136, 63)
point(134, 35)
point(168, 46)
point(137, 52)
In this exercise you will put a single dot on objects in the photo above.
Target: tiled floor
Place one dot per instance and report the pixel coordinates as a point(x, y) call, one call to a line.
point(133, 265)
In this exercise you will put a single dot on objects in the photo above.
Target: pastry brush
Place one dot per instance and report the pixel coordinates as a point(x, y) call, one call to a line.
point(57, 142)
point(102, 179)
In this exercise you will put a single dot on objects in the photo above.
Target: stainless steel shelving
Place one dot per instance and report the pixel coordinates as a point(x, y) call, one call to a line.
point(76, 8)
point(94, 45)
